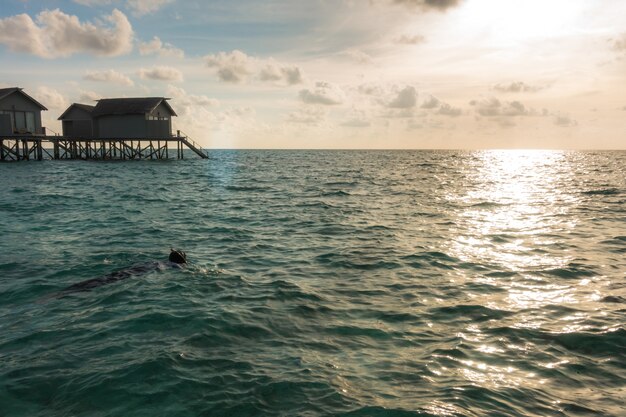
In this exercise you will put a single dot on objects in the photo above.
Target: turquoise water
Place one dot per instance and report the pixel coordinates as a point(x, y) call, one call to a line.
point(487, 283)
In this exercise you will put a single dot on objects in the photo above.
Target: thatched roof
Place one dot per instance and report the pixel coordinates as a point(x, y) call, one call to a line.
point(5, 92)
point(137, 105)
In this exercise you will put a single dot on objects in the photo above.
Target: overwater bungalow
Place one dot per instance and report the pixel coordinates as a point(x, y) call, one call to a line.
point(20, 114)
point(128, 118)
point(115, 128)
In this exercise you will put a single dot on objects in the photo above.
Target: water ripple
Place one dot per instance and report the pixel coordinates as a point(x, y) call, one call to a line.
point(426, 283)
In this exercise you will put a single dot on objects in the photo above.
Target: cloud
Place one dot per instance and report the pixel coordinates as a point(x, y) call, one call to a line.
point(370, 89)
point(232, 67)
point(156, 47)
point(431, 103)
point(504, 122)
point(356, 122)
point(439, 5)
point(273, 71)
point(161, 74)
point(406, 98)
point(516, 87)
point(358, 56)
point(88, 96)
point(447, 110)
point(564, 121)
point(410, 40)
point(91, 3)
point(108, 76)
point(236, 66)
point(323, 93)
point(51, 98)
point(492, 107)
point(56, 34)
point(312, 116)
point(515, 108)
point(186, 103)
point(143, 7)
point(137, 7)
point(619, 44)
point(413, 124)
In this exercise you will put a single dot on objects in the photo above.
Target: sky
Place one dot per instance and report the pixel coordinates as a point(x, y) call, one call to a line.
point(336, 74)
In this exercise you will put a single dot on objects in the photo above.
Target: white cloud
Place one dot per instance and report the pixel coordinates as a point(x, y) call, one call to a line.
point(143, 7)
point(492, 107)
point(356, 122)
point(88, 97)
point(93, 2)
point(515, 108)
point(273, 71)
point(410, 39)
point(51, 98)
point(161, 74)
point(20, 34)
point(313, 116)
point(370, 89)
point(406, 98)
point(156, 47)
point(185, 103)
point(56, 34)
point(232, 67)
point(431, 102)
point(358, 56)
point(200, 117)
point(137, 7)
point(108, 76)
point(447, 110)
point(564, 121)
point(323, 93)
point(619, 44)
point(236, 67)
point(516, 87)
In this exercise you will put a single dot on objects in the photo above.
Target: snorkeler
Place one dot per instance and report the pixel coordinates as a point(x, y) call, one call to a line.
point(177, 258)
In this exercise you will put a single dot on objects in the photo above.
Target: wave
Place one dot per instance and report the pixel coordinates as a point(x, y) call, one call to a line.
point(468, 312)
point(602, 191)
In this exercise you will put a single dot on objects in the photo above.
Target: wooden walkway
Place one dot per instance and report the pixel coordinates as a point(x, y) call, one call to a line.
point(30, 147)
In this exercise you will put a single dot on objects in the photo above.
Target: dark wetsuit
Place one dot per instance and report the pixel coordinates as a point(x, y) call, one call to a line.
point(118, 276)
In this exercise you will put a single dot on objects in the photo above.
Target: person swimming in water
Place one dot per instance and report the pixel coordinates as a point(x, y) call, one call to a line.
point(177, 258)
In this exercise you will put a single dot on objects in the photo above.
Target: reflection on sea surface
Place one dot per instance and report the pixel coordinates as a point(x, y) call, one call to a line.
point(514, 204)
point(419, 283)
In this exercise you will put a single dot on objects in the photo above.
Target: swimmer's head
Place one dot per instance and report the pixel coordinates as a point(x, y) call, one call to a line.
point(178, 257)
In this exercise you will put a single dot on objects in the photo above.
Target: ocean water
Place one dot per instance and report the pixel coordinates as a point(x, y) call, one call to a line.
point(354, 283)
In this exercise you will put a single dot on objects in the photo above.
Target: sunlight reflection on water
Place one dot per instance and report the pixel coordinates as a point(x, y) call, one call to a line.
point(515, 207)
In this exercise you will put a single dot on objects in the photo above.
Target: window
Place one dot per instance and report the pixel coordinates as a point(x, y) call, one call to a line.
point(159, 117)
point(10, 113)
point(20, 121)
point(30, 121)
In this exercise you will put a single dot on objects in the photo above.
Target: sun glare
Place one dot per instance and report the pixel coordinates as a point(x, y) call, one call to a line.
point(518, 21)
